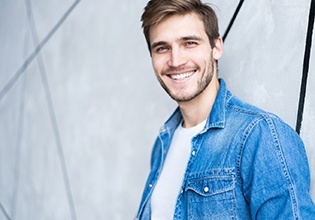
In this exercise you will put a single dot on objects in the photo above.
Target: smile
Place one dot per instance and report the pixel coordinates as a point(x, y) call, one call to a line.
point(181, 76)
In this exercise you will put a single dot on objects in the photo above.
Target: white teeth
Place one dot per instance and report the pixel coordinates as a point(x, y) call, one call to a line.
point(181, 76)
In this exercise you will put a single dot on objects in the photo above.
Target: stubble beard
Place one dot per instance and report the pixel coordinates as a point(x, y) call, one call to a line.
point(202, 84)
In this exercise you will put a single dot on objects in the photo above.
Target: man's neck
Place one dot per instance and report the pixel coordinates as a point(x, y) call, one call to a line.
point(198, 109)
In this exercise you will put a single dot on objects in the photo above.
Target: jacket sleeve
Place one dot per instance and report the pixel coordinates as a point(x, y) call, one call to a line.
point(274, 172)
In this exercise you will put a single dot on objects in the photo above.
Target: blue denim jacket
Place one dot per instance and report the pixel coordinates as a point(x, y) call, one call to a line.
point(244, 164)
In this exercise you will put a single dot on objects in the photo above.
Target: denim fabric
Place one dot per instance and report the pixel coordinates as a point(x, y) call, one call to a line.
point(245, 164)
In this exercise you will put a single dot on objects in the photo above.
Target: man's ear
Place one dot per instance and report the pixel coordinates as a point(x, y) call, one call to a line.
point(217, 50)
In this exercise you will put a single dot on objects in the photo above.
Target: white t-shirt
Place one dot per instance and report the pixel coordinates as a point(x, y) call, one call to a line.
point(166, 191)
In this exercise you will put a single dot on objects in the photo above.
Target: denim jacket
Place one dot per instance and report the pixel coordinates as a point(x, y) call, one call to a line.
point(245, 164)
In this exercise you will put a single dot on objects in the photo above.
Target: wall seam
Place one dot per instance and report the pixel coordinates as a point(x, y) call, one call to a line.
point(20, 126)
point(306, 63)
point(5, 213)
point(52, 113)
point(34, 54)
point(233, 19)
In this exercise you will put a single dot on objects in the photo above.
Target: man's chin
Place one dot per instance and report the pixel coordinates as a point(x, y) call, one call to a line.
point(182, 98)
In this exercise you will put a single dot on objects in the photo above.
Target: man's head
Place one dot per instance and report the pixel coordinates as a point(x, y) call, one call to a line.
point(158, 10)
point(184, 44)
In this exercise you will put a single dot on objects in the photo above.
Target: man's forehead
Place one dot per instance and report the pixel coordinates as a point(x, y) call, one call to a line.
point(177, 27)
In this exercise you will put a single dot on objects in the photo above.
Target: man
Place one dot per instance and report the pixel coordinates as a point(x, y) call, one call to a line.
point(217, 157)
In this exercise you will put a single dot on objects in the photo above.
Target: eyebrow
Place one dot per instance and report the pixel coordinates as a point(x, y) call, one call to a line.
point(186, 38)
point(193, 37)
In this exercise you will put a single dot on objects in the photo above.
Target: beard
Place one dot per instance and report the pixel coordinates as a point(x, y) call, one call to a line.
point(202, 83)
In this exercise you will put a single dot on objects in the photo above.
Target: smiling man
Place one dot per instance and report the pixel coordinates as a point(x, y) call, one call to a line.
point(217, 157)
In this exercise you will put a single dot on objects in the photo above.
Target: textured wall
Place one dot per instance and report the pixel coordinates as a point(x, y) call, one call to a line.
point(80, 106)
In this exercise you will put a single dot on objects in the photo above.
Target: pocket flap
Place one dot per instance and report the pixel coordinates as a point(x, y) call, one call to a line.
point(211, 185)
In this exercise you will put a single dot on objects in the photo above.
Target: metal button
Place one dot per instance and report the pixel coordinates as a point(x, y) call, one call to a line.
point(206, 189)
point(163, 129)
point(193, 153)
point(150, 186)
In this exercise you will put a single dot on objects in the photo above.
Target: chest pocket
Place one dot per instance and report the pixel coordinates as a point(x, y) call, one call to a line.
point(211, 195)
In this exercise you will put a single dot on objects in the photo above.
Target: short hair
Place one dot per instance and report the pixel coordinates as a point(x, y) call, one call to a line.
point(158, 10)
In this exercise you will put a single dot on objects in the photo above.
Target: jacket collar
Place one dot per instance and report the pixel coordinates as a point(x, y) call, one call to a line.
point(216, 118)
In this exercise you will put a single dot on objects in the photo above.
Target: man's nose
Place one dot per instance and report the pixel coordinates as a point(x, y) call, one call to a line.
point(177, 58)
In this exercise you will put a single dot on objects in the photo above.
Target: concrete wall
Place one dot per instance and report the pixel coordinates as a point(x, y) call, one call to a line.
point(80, 106)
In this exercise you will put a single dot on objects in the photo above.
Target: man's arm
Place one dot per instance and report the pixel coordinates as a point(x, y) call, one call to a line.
point(274, 172)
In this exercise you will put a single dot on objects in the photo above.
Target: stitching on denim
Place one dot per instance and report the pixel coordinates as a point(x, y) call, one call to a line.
point(178, 210)
point(191, 185)
point(268, 117)
point(256, 111)
point(158, 150)
point(247, 132)
point(231, 213)
point(247, 111)
point(284, 167)
point(219, 172)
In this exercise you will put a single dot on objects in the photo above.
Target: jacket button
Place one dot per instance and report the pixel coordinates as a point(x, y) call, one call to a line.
point(150, 185)
point(162, 129)
point(193, 153)
point(206, 189)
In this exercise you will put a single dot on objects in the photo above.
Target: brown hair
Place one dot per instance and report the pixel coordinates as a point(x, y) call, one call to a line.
point(158, 10)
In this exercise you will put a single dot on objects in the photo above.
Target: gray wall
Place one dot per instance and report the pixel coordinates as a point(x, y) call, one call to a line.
point(80, 106)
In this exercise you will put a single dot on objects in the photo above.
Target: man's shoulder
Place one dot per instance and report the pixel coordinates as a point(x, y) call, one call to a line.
point(237, 105)
point(240, 109)
point(252, 115)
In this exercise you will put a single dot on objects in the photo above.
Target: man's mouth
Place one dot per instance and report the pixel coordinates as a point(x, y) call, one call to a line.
point(181, 76)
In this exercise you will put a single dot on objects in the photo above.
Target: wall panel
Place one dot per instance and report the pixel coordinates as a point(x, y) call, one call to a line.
point(308, 126)
point(263, 56)
point(78, 121)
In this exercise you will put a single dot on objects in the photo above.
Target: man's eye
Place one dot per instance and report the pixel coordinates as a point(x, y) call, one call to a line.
point(190, 43)
point(161, 49)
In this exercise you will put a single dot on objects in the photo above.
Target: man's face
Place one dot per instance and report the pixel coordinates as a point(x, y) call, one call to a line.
point(182, 57)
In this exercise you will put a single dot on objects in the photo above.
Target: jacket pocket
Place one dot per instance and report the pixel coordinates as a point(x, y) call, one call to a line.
point(211, 195)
